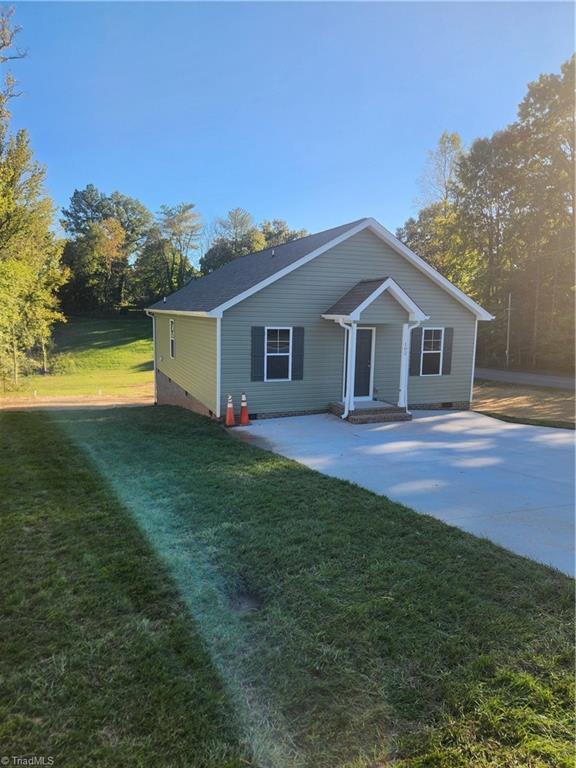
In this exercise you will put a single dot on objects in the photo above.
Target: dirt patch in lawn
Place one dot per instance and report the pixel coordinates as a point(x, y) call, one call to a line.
point(522, 402)
point(79, 401)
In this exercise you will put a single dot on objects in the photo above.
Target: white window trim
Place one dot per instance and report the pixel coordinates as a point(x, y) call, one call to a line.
point(422, 352)
point(172, 338)
point(277, 354)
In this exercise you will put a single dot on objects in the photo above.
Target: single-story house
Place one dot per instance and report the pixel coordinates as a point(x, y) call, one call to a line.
point(348, 319)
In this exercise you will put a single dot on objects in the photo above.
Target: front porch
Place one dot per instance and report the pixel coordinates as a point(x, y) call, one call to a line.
point(371, 412)
point(377, 317)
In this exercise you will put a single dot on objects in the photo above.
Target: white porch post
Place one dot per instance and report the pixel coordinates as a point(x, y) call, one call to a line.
point(404, 354)
point(351, 373)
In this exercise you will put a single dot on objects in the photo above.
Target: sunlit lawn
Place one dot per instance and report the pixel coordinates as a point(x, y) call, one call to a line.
point(175, 597)
point(525, 403)
point(101, 357)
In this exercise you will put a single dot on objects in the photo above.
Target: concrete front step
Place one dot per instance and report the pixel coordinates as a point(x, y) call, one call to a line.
point(372, 413)
point(358, 417)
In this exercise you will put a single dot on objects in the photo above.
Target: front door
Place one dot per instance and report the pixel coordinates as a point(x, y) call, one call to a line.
point(363, 377)
point(364, 381)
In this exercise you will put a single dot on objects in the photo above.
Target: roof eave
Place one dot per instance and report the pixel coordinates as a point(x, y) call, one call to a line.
point(424, 267)
point(188, 312)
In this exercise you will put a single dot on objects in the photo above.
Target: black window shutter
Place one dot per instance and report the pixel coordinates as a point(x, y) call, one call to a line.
point(447, 357)
point(415, 350)
point(257, 372)
point(297, 353)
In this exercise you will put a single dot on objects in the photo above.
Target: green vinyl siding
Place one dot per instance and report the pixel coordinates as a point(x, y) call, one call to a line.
point(193, 367)
point(300, 298)
point(387, 362)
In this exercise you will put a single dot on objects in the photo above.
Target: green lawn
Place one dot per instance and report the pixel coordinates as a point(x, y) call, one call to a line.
point(97, 357)
point(173, 593)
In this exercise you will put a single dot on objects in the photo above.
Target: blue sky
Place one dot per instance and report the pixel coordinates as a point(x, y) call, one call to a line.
point(318, 113)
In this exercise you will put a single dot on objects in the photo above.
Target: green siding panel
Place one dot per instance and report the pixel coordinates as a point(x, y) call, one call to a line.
point(194, 366)
point(299, 299)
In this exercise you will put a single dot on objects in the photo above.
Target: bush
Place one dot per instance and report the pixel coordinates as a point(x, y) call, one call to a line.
point(63, 363)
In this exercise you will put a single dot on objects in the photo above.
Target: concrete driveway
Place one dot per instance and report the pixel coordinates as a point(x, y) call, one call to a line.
point(510, 483)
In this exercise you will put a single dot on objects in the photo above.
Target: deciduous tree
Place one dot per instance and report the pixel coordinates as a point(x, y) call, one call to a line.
point(30, 269)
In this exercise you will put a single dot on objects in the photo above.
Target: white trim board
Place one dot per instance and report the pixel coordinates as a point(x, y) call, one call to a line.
point(376, 228)
point(398, 293)
point(370, 395)
point(181, 312)
point(277, 354)
point(218, 365)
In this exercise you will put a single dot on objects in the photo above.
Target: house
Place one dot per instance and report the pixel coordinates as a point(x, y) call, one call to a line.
point(348, 319)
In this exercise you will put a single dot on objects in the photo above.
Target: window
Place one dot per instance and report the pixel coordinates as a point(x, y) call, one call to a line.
point(172, 339)
point(278, 354)
point(431, 355)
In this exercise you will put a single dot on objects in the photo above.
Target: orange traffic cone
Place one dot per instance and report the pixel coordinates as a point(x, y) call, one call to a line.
point(244, 418)
point(230, 420)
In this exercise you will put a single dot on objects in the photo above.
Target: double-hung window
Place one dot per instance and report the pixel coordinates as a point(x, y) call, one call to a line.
point(278, 348)
point(431, 354)
point(172, 339)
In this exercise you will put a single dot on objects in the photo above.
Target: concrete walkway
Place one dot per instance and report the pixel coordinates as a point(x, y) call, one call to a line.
point(510, 483)
point(529, 379)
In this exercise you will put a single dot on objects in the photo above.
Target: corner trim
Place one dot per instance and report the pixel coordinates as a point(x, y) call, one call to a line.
point(218, 364)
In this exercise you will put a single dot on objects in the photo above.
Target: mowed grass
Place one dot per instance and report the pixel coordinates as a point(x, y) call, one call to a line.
point(346, 629)
point(532, 405)
point(100, 662)
point(98, 357)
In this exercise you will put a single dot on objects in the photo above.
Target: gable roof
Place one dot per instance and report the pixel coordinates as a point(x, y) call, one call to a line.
point(215, 293)
point(209, 292)
point(359, 297)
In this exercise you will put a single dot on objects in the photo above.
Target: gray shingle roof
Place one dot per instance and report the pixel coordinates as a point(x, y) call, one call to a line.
point(355, 296)
point(207, 293)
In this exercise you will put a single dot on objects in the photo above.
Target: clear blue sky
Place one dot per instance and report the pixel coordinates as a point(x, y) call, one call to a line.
point(316, 113)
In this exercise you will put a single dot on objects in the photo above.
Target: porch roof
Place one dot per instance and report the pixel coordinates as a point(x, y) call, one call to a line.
point(355, 296)
point(351, 305)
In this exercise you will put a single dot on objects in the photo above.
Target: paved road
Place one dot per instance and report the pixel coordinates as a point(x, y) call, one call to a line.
point(510, 483)
point(531, 379)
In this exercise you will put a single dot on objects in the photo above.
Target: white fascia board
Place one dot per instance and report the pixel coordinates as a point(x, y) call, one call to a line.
point(424, 267)
point(414, 311)
point(290, 268)
point(337, 318)
point(180, 312)
point(384, 235)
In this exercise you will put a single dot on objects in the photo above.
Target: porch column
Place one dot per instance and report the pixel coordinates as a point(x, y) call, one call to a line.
point(351, 373)
point(404, 355)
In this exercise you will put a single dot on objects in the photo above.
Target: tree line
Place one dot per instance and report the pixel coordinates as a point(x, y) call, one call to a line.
point(119, 254)
point(498, 221)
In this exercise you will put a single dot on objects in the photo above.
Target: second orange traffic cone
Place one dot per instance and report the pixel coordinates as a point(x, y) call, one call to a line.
point(230, 419)
point(244, 418)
